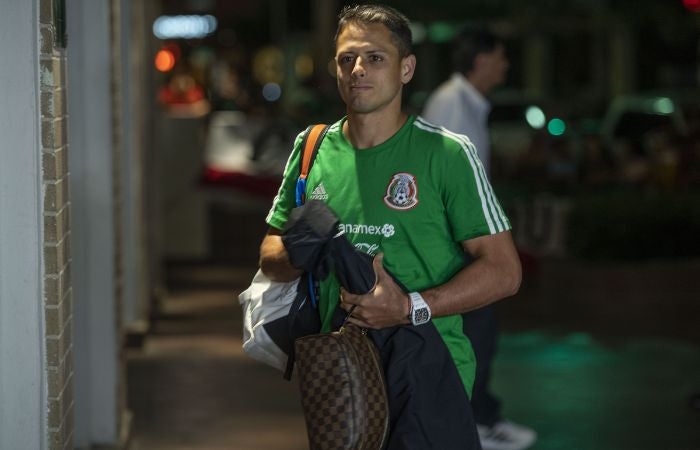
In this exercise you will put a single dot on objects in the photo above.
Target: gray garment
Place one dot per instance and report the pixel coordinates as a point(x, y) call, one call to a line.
point(459, 107)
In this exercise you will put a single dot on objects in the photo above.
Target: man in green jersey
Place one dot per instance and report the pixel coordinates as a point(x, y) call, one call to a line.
point(413, 194)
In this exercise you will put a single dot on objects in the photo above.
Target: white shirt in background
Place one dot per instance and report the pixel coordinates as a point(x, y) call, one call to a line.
point(459, 107)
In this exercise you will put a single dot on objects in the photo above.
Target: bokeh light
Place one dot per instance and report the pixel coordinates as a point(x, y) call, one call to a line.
point(185, 27)
point(663, 105)
point(268, 65)
point(440, 32)
point(692, 5)
point(556, 127)
point(272, 92)
point(535, 117)
point(164, 60)
point(304, 66)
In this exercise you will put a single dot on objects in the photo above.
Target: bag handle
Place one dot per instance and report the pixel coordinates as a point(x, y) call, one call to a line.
point(312, 141)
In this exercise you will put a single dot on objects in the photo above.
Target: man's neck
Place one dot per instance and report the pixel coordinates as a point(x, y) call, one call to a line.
point(480, 84)
point(369, 130)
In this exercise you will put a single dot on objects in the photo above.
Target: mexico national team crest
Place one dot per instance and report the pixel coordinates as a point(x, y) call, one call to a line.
point(402, 192)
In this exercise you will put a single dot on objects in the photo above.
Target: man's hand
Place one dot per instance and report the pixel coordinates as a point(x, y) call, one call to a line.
point(274, 260)
point(386, 305)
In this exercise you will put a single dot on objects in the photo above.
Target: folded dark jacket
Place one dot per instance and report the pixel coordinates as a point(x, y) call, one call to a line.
point(314, 244)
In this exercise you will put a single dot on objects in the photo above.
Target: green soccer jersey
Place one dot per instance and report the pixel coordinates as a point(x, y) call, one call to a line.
point(414, 198)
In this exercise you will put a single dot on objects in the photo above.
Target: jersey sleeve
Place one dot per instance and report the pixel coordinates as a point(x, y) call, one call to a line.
point(470, 202)
point(284, 201)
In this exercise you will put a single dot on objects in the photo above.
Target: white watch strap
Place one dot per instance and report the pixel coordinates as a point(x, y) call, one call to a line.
point(420, 311)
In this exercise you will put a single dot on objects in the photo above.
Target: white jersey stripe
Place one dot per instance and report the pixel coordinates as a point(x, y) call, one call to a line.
point(485, 208)
point(490, 207)
point(335, 126)
point(496, 208)
point(492, 202)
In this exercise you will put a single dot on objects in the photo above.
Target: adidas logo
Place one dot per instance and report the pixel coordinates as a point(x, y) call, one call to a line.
point(319, 193)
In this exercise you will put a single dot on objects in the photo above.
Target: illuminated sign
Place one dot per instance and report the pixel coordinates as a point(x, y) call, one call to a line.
point(184, 27)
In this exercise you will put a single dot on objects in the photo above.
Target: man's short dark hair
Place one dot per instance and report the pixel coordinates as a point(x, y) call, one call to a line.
point(468, 45)
point(396, 22)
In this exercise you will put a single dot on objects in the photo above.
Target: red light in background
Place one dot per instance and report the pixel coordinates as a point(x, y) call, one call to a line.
point(165, 60)
point(692, 5)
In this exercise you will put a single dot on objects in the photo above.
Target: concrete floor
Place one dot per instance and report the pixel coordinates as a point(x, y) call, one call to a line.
point(582, 385)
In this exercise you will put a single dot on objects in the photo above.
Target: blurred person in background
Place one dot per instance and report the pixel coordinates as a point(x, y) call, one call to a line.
point(460, 105)
point(378, 165)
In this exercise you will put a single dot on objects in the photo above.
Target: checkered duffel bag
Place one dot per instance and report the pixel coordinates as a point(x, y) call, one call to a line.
point(342, 390)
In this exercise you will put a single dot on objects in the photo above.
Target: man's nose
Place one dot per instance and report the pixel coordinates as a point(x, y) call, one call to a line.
point(358, 69)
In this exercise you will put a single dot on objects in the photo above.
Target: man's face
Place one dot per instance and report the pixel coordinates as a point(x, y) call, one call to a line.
point(494, 65)
point(369, 69)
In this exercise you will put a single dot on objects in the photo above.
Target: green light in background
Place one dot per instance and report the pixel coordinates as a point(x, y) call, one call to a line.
point(556, 127)
point(535, 117)
point(663, 105)
point(440, 32)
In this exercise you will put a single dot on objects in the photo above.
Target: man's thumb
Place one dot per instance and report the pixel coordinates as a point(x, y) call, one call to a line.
point(378, 262)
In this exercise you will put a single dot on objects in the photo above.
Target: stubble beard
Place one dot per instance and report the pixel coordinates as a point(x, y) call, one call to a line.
point(367, 103)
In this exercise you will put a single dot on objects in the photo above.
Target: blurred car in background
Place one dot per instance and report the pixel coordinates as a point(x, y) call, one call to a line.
point(631, 117)
point(246, 155)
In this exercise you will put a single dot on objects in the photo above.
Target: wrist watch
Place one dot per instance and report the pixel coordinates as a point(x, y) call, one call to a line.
point(420, 311)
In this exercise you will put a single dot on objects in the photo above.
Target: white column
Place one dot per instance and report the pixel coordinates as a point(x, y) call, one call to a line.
point(134, 252)
point(23, 390)
point(93, 266)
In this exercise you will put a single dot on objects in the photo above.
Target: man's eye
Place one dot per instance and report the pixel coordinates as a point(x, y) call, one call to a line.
point(345, 59)
point(376, 58)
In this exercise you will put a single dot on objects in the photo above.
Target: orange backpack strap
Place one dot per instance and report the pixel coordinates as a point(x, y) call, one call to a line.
point(312, 141)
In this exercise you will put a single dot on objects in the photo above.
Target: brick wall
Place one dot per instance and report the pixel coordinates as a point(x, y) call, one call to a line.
point(58, 308)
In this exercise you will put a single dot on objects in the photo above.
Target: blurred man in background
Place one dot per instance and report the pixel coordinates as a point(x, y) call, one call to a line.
point(460, 105)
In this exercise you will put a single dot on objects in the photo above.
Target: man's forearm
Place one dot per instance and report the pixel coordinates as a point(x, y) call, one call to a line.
point(473, 287)
point(493, 275)
point(274, 259)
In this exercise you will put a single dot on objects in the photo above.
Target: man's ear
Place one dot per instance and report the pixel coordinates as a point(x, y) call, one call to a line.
point(408, 68)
